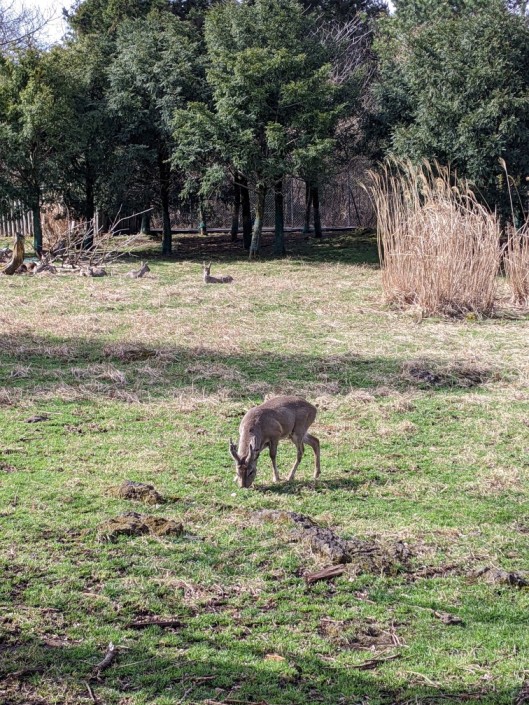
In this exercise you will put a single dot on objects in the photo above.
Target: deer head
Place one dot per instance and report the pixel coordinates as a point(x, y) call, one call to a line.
point(246, 467)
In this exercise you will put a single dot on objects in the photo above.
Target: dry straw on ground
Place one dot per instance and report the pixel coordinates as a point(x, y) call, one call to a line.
point(439, 247)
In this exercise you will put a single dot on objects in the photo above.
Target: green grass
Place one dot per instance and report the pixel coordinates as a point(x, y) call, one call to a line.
point(442, 468)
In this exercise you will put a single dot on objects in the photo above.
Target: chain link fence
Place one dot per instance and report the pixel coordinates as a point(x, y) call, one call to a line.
point(344, 204)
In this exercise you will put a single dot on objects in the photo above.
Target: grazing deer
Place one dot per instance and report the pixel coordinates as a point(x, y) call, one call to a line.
point(264, 426)
point(139, 273)
point(208, 279)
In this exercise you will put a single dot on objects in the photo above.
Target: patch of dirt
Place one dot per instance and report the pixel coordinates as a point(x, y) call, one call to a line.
point(498, 576)
point(38, 418)
point(457, 374)
point(366, 556)
point(367, 637)
point(134, 524)
point(5, 467)
point(137, 492)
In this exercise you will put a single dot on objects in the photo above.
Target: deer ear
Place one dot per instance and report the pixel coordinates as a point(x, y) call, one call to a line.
point(233, 452)
point(252, 451)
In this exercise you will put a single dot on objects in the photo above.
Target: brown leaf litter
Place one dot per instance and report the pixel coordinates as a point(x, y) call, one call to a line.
point(135, 524)
point(137, 492)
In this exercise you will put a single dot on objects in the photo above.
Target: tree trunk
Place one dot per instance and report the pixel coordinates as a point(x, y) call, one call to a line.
point(279, 242)
point(316, 206)
point(165, 175)
point(258, 222)
point(37, 230)
point(236, 209)
point(246, 213)
point(202, 226)
point(145, 227)
point(308, 203)
point(88, 239)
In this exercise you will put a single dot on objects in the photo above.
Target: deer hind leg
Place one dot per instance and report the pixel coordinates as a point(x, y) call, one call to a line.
point(298, 442)
point(273, 453)
point(314, 443)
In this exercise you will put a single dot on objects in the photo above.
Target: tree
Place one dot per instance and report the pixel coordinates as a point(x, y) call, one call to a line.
point(34, 115)
point(456, 89)
point(156, 71)
point(274, 101)
point(87, 154)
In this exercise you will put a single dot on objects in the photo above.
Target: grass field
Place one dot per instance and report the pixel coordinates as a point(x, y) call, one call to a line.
point(424, 433)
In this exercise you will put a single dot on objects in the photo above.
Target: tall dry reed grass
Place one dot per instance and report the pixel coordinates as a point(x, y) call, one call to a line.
point(516, 264)
point(439, 247)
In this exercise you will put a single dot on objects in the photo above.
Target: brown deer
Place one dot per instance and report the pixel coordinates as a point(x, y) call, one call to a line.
point(208, 279)
point(139, 273)
point(264, 426)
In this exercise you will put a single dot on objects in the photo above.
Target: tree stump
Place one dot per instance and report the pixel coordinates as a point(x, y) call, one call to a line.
point(17, 257)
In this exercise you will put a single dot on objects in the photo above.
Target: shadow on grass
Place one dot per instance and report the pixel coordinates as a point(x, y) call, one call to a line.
point(297, 486)
point(132, 371)
point(354, 247)
point(144, 672)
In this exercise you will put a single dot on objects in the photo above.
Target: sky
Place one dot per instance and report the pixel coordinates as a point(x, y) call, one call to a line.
point(56, 27)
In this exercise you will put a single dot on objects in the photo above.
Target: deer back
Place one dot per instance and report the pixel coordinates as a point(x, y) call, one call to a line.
point(273, 420)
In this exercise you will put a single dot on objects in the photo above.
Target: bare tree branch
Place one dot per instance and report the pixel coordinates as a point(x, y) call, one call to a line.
point(19, 25)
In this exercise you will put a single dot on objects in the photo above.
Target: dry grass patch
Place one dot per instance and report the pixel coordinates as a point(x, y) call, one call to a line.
point(498, 481)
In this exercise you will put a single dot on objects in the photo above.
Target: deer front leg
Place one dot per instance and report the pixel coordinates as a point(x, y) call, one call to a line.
point(273, 453)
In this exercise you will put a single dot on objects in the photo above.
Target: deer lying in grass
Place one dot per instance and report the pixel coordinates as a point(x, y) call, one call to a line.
point(264, 426)
point(208, 279)
point(139, 273)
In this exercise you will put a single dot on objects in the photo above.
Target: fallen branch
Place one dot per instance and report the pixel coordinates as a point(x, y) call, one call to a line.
point(90, 692)
point(373, 663)
point(154, 622)
point(107, 661)
point(332, 571)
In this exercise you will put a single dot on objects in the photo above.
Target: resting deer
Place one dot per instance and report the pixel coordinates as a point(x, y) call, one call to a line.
point(139, 273)
point(264, 426)
point(208, 279)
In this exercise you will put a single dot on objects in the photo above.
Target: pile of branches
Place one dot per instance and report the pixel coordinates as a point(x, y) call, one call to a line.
point(81, 249)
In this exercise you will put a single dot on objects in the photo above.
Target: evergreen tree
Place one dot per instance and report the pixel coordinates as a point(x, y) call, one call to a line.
point(455, 88)
point(156, 71)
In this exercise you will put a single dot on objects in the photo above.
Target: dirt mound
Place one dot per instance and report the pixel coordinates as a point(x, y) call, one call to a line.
point(458, 374)
point(498, 576)
point(134, 524)
point(365, 556)
point(137, 492)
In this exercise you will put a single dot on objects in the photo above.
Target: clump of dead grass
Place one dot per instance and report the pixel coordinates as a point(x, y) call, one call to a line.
point(128, 352)
point(101, 372)
point(439, 247)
